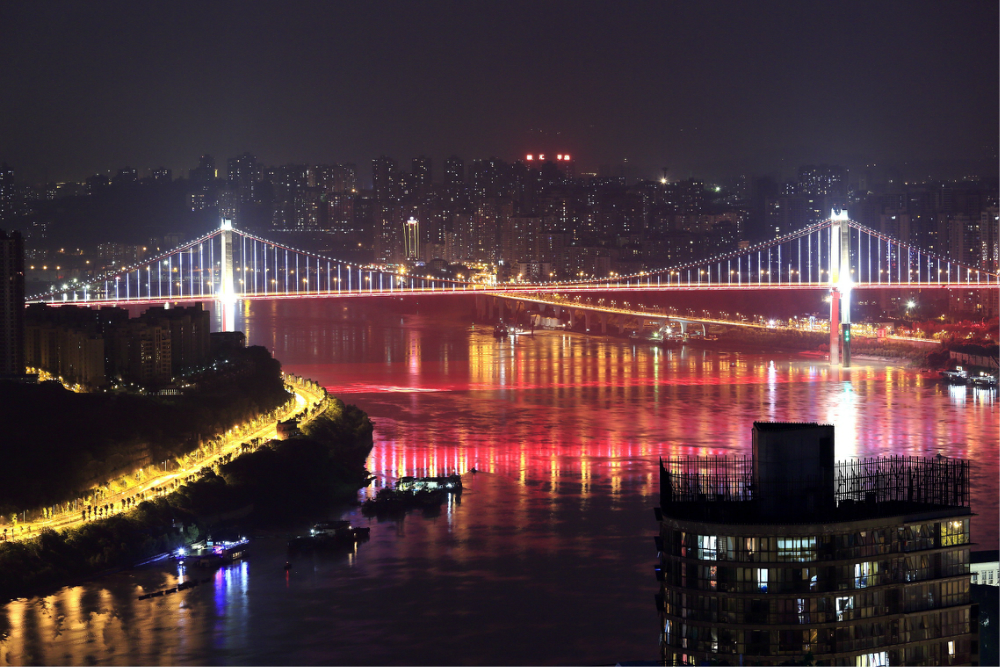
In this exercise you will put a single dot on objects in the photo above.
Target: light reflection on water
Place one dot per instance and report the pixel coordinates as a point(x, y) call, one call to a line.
point(547, 557)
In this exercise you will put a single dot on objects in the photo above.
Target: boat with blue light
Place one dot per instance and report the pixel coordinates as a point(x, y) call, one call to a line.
point(210, 553)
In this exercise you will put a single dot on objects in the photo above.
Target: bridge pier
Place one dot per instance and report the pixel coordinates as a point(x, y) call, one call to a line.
point(845, 316)
point(835, 327)
point(604, 323)
point(586, 320)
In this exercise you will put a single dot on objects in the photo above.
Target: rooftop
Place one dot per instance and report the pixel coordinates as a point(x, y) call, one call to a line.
point(793, 478)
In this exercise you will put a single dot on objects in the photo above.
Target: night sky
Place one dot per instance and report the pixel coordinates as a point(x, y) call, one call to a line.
point(704, 88)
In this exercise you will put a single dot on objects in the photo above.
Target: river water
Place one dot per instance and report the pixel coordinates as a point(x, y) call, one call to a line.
point(547, 557)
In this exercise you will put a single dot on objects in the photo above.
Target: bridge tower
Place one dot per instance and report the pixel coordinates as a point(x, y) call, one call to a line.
point(227, 290)
point(840, 287)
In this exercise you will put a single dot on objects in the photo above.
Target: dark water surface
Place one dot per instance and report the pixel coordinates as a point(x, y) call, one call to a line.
point(548, 555)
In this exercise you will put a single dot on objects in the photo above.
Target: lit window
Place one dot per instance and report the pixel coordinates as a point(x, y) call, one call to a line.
point(707, 545)
point(844, 607)
point(864, 574)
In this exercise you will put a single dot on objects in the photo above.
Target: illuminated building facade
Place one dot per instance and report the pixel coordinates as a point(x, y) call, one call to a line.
point(563, 161)
point(411, 239)
point(789, 554)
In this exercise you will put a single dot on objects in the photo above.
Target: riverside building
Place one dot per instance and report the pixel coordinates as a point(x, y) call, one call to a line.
point(766, 560)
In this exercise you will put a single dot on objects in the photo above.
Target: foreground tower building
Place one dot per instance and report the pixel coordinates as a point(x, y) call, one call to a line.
point(767, 560)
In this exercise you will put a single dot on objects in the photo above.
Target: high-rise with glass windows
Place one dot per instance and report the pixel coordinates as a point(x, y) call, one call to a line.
point(789, 554)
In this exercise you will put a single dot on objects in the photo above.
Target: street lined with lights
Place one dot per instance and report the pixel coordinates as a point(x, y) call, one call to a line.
point(234, 442)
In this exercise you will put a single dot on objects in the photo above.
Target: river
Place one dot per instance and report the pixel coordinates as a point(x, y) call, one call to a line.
point(547, 557)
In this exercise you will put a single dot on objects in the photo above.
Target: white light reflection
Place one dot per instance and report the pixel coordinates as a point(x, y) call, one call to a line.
point(957, 394)
point(843, 414)
point(983, 396)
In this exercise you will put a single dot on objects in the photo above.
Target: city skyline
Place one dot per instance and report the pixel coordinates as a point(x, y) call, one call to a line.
point(691, 88)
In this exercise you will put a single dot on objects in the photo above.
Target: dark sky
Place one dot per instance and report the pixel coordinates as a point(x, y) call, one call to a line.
point(701, 87)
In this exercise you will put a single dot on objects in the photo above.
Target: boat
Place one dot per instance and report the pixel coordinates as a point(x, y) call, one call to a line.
point(211, 552)
point(413, 492)
point(670, 342)
point(338, 530)
point(447, 483)
point(330, 533)
point(983, 380)
point(500, 331)
point(956, 376)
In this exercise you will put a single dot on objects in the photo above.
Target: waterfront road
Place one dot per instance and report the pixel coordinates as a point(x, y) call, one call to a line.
point(234, 442)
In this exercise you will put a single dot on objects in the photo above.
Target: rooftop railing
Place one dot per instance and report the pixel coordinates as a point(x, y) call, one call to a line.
point(937, 481)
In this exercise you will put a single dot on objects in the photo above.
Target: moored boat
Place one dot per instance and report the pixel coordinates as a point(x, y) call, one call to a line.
point(213, 552)
point(330, 533)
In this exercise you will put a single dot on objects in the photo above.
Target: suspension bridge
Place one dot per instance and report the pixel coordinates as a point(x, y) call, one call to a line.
point(838, 255)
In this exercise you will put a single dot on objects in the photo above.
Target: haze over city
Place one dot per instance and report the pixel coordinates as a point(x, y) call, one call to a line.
point(710, 90)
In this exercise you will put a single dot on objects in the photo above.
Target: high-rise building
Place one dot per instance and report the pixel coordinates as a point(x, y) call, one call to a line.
point(65, 342)
point(789, 555)
point(489, 178)
point(345, 178)
point(454, 172)
point(97, 183)
point(310, 208)
point(340, 211)
point(189, 331)
point(421, 170)
point(11, 304)
point(384, 177)
point(823, 188)
point(126, 176)
point(989, 222)
point(337, 178)
point(162, 175)
point(285, 182)
point(243, 175)
point(205, 172)
point(6, 191)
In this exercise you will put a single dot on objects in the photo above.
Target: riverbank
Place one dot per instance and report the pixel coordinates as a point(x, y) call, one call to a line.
point(278, 480)
point(70, 450)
